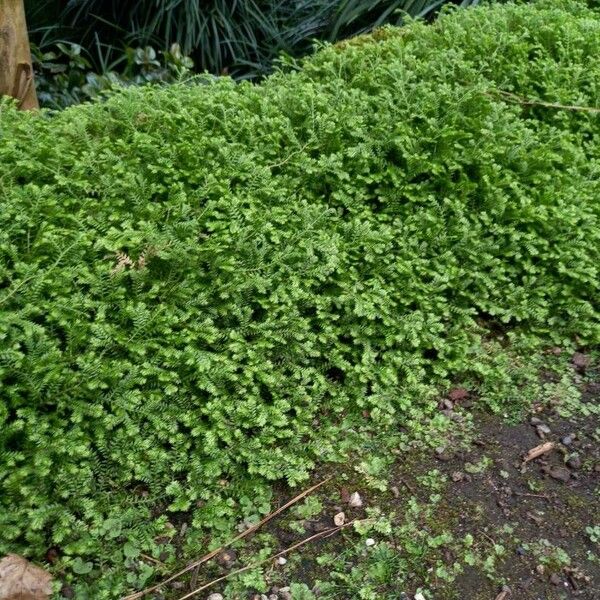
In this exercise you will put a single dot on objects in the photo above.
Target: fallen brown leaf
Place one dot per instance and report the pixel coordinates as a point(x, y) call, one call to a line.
point(21, 580)
point(538, 451)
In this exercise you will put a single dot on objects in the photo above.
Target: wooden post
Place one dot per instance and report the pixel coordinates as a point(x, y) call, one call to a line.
point(16, 72)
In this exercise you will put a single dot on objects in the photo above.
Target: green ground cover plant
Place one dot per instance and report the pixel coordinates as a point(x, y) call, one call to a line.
point(211, 286)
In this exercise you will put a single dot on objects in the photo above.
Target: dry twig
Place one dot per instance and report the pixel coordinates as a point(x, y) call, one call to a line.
point(527, 102)
point(316, 536)
point(242, 535)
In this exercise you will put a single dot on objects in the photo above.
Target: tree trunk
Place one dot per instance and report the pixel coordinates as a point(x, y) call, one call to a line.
point(16, 72)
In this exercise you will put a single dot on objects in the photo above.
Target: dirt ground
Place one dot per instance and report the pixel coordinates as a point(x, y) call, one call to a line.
point(547, 503)
point(565, 498)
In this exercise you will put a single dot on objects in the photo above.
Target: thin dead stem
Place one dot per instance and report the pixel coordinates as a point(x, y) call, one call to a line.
point(242, 535)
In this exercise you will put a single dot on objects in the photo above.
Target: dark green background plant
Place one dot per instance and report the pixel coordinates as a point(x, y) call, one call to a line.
point(208, 286)
point(239, 37)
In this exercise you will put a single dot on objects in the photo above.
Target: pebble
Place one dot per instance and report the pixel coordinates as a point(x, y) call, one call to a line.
point(339, 519)
point(281, 561)
point(420, 596)
point(215, 597)
point(355, 501)
point(369, 542)
point(574, 462)
point(535, 421)
point(396, 491)
point(457, 476)
point(285, 593)
point(273, 597)
point(521, 551)
point(580, 360)
point(543, 430)
point(567, 440)
point(448, 404)
point(560, 474)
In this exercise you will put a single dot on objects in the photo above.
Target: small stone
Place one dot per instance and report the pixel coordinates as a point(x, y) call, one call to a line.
point(273, 597)
point(420, 596)
point(448, 404)
point(521, 551)
point(339, 519)
point(556, 350)
point(567, 440)
point(264, 597)
point(215, 596)
point(535, 421)
point(580, 361)
point(457, 476)
point(543, 430)
point(574, 462)
point(355, 501)
point(560, 474)
point(281, 561)
point(285, 593)
point(369, 542)
point(396, 491)
point(555, 579)
point(540, 569)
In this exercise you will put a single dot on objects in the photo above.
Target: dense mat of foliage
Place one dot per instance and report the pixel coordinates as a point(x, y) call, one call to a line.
point(205, 287)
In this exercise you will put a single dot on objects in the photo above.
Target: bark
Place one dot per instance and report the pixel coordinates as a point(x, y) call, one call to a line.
point(16, 72)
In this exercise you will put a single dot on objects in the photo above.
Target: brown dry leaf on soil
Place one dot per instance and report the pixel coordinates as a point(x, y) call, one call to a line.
point(538, 451)
point(21, 580)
